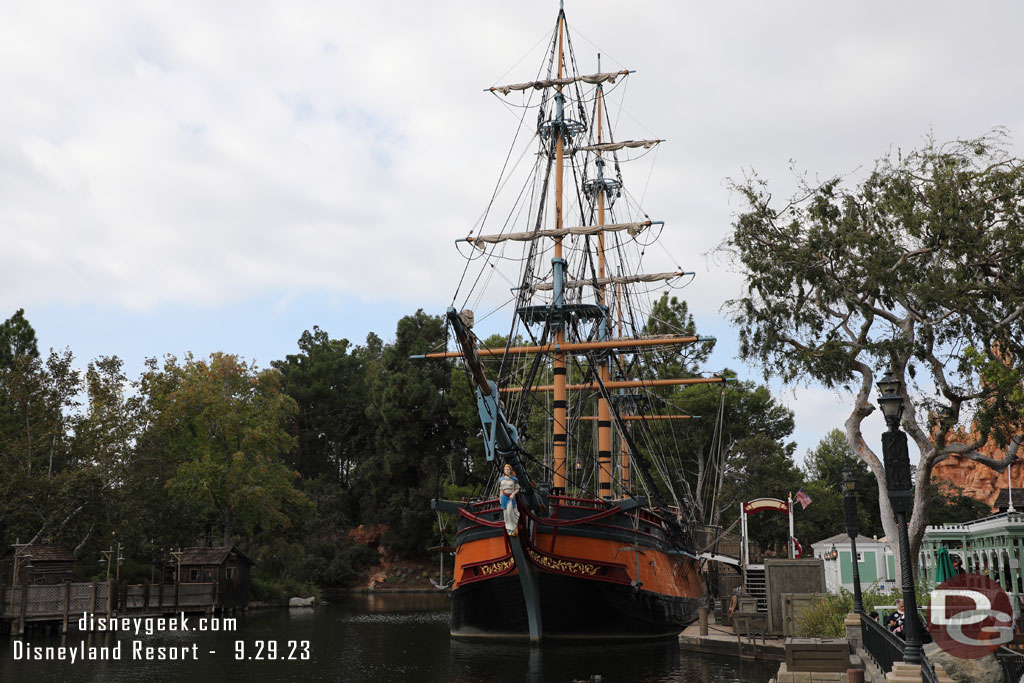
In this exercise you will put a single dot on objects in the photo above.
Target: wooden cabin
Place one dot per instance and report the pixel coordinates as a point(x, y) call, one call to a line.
point(37, 564)
point(227, 566)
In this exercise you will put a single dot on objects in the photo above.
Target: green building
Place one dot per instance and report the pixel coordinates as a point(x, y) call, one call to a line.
point(991, 546)
point(874, 563)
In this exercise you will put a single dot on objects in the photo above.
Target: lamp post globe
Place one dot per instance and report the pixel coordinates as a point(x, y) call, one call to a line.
point(890, 400)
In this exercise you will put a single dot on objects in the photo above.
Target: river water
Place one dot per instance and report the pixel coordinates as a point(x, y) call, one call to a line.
point(360, 638)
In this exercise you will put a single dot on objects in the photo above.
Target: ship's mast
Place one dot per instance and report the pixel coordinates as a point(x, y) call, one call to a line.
point(623, 441)
point(558, 363)
point(604, 417)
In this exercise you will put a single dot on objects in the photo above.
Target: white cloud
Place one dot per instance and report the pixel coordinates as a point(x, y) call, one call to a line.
point(200, 154)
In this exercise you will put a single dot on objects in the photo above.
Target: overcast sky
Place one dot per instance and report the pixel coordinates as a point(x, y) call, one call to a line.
point(201, 176)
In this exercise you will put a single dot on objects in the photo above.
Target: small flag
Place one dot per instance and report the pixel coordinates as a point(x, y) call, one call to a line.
point(803, 499)
point(797, 548)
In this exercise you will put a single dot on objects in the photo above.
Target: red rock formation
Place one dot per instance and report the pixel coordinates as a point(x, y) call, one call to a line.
point(977, 480)
point(367, 534)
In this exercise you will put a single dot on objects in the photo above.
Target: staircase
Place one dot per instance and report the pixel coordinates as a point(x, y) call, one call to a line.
point(756, 586)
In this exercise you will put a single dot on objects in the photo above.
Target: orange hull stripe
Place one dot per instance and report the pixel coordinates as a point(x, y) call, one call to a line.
point(666, 574)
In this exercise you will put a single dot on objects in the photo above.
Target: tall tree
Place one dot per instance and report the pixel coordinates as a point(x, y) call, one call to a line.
point(917, 270)
point(729, 416)
point(226, 420)
point(415, 435)
point(760, 467)
point(43, 494)
point(17, 338)
point(824, 484)
point(327, 380)
point(671, 316)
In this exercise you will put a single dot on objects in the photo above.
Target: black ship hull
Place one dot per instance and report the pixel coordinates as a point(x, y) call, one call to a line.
point(575, 609)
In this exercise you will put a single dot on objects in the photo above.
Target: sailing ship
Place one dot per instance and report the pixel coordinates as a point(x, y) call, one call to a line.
point(573, 552)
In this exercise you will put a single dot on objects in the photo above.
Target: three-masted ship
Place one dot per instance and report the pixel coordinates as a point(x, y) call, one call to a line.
point(596, 553)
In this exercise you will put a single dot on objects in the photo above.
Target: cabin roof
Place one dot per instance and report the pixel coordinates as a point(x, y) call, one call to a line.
point(844, 538)
point(210, 555)
point(1003, 497)
point(45, 552)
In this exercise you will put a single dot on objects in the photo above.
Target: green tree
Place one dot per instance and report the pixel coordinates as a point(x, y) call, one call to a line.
point(327, 380)
point(45, 491)
point(824, 465)
point(671, 316)
point(950, 505)
point(760, 468)
point(825, 516)
point(415, 435)
point(105, 435)
point(226, 420)
point(17, 339)
point(917, 270)
point(728, 415)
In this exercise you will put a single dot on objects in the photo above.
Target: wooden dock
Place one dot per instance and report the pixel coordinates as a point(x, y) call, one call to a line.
point(721, 640)
point(61, 602)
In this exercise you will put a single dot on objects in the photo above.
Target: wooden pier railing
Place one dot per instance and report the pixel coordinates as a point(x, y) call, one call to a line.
point(64, 601)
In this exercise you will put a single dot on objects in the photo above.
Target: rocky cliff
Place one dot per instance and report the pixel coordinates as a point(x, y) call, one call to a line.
point(977, 480)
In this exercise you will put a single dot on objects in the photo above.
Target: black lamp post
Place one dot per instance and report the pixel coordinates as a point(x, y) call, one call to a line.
point(852, 529)
point(897, 481)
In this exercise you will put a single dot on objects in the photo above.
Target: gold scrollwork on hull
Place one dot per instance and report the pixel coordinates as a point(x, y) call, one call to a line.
point(496, 567)
point(564, 565)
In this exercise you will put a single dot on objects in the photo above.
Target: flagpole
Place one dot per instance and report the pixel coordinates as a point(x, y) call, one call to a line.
point(1009, 487)
point(792, 548)
point(744, 550)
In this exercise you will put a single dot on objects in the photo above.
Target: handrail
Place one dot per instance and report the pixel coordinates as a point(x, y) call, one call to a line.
point(884, 647)
point(1011, 662)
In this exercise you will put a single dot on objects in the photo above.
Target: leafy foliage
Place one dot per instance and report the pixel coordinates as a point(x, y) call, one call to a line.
point(226, 421)
point(326, 380)
point(950, 505)
point(825, 616)
point(671, 316)
point(825, 517)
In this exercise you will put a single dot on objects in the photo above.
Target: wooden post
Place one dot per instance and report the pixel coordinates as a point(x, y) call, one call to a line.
point(95, 594)
point(67, 607)
point(160, 596)
point(145, 595)
point(24, 605)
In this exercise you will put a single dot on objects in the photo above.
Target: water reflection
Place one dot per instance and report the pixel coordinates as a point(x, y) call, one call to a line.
point(371, 639)
point(657, 662)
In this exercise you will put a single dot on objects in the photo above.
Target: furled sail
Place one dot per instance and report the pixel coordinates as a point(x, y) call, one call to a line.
point(615, 146)
point(633, 229)
point(617, 280)
point(592, 79)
